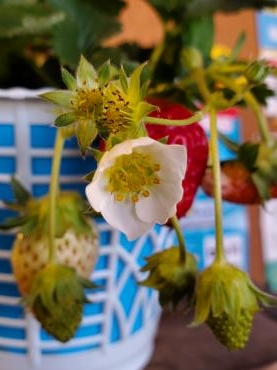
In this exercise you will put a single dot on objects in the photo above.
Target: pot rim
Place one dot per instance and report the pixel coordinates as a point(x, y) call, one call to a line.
point(22, 92)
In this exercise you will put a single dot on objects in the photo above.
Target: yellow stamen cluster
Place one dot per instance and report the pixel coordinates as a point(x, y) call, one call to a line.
point(132, 176)
point(116, 112)
point(86, 100)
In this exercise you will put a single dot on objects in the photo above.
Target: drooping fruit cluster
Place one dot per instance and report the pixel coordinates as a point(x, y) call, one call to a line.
point(52, 277)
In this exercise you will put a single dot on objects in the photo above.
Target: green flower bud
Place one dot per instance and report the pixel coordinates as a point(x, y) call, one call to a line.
point(172, 278)
point(227, 301)
point(256, 72)
point(191, 58)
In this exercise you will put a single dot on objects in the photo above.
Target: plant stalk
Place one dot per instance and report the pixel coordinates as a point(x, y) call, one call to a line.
point(177, 122)
point(53, 193)
point(219, 249)
point(181, 241)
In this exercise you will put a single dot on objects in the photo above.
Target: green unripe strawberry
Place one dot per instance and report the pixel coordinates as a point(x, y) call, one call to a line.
point(56, 299)
point(226, 300)
point(52, 272)
point(232, 334)
point(173, 278)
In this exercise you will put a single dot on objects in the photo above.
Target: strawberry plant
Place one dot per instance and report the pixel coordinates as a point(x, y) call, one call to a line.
point(143, 106)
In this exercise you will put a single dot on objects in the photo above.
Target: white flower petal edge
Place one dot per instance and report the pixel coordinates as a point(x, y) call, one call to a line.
point(135, 218)
point(162, 202)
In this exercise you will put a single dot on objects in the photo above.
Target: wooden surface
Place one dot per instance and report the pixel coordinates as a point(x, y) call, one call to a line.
point(179, 347)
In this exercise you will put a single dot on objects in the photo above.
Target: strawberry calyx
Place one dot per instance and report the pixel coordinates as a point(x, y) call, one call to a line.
point(227, 300)
point(32, 214)
point(173, 279)
point(260, 159)
point(56, 299)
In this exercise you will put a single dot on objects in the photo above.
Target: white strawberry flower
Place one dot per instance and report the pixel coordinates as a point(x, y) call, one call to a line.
point(137, 184)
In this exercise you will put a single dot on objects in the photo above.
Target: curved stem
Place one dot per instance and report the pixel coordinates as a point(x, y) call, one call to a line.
point(181, 241)
point(53, 192)
point(217, 186)
point(177, 122)
point(199, 76)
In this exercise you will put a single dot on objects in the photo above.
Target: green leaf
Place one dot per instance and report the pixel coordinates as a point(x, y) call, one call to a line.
point(199, 33)
point(85, 25)
point(27, 19)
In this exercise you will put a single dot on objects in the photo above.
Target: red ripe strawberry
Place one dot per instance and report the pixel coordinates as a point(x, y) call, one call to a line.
point(237, 185)
point(192, 136)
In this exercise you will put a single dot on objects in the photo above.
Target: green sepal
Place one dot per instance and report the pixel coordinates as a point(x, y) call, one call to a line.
point(21, 194)
point(86, 132)
point(123, 80)
point(68, 79)
point(142, 110)
point(134, 85)
point(97, 154)
point(104, 73)
point(247, 154)
point(89, 176)
point(86, 73)
point(65, 119)
point(56, 299)
point(173, 279)
point(256, 72)
point(11, 223)
point(261, 160)
point(33, 218)
point(223, 288)
point(63, 98)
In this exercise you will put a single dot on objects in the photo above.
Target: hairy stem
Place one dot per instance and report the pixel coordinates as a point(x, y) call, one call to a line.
point(181, 241)
point(53, 192)
point(177, 122)
point(217, 186)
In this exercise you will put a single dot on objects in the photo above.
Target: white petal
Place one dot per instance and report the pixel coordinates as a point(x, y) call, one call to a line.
point(123, 217)
point(161, 203)
point(96, 193)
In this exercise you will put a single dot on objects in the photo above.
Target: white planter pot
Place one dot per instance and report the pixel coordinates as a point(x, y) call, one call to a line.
point(118, 329)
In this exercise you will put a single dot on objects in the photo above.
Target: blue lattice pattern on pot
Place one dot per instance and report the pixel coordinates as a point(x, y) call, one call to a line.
point(120, 307)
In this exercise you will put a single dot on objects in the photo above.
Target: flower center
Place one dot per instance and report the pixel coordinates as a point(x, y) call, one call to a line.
point(132, 176)
point(86, 100)
point(115, 114)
